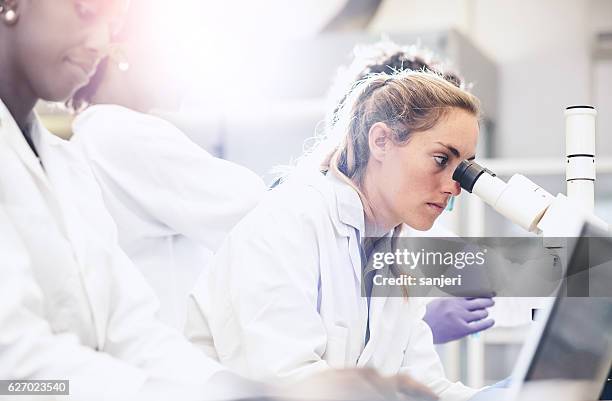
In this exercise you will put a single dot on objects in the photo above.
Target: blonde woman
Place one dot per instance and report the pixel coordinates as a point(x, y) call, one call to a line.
point(283, 298)
point(449, 318)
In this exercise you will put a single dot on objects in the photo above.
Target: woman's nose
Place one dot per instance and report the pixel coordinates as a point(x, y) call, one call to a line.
point(453, 188)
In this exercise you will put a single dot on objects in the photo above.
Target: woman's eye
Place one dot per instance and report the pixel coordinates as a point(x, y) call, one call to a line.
point(441, 160)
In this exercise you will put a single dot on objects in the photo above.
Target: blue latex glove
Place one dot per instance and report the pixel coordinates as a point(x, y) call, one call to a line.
point(454, 318)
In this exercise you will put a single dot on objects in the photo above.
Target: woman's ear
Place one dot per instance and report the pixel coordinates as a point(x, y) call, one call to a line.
point(379, 140)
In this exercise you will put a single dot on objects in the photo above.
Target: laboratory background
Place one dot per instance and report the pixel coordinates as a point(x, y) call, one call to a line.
point(262, 70)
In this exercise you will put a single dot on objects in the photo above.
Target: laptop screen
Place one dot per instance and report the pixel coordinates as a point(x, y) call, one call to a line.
point(576, 341)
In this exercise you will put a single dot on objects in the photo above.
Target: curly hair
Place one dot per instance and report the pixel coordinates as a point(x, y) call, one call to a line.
point(82, 97)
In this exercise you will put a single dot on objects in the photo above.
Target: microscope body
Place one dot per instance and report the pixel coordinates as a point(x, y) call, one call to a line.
point(530, 206)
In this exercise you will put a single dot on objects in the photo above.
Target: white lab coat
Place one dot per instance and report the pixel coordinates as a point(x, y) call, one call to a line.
point(281, 298)
point(172, 201)
point(86, 313)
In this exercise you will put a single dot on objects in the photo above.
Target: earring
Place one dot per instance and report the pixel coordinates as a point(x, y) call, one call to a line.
point(10, 17)
point(123, 66)
point(118, 56)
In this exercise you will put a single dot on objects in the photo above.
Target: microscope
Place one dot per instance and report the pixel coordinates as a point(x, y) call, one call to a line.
point(558, 218)
point(555, 218)
point(530, 206)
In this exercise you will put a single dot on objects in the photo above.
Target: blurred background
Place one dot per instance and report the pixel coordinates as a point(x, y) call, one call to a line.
point(258, 75)
point(260, 70)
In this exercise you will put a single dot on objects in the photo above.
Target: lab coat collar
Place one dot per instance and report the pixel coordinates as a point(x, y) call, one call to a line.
point(44, 167)
point(11, 132)
point(42, 137)
point(62, 164)
point(350, 213)
point(384, 313)
point(59, 162)
point(351, 220)
point(348, 202)
point(48, 144)
point(350, 207)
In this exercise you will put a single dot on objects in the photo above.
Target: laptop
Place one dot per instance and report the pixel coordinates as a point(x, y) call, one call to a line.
point(570, 352)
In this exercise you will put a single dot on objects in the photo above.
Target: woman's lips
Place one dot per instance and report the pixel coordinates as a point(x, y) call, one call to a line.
point(436, 207)
point(86, 67)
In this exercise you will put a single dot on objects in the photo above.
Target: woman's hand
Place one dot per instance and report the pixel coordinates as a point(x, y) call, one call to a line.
point(454, 318)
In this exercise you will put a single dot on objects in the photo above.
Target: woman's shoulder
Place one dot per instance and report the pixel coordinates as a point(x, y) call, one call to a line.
point(308, 194)
point(302, 201)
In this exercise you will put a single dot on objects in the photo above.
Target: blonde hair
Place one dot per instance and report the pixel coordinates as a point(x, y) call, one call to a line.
point(388, 57)
point(406, 102)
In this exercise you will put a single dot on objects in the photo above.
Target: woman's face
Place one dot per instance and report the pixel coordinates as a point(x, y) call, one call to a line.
point(58, 43)
point(414, 180)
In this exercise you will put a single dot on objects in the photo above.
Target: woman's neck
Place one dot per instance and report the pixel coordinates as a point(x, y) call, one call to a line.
point(19, 101)
point(381, 221)
point(372, 229)
point(15, 91)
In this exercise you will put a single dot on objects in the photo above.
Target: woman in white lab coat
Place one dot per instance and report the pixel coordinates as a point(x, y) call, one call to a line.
point(450, 318)
point(172, 201)
point(282, 297)
point(84, 312)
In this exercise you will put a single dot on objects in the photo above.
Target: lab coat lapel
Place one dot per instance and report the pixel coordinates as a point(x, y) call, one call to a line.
point(383, 313)
point(384, 316)
point(13, 136)
point(350, 213)
point(58, 175)
point(64, 173)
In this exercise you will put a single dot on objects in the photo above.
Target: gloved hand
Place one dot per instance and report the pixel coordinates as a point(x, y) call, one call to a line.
point(454, 318)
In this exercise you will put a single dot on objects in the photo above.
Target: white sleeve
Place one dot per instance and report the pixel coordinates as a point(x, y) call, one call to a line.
point(422, 363)
point(139, 351)
point(260, 300)
point(30, 350)
point(135, 334)
point(169, 177)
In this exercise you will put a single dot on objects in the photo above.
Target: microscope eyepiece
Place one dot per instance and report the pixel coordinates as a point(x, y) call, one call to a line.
point(468, 172)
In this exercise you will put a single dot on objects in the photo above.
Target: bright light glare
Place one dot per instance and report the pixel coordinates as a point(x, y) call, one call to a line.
point(227, 46)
